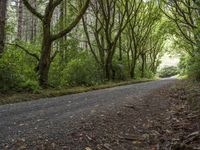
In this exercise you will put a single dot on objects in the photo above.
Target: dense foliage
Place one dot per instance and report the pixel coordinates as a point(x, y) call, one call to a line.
point(60, 46)
point(168, 72)
point(185, 18)
point(69, 43)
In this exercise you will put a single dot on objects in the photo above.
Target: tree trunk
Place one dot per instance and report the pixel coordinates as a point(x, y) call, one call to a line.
point(108, 66)
point(108, 70)
point(62, 25)
point(45, 60)
point(143, 65)
point(133, 66)
point(133, 61)
point(154, 67)
point(20, 20)
point(48, 38)
point(120, 43)
point(3, 6)
point(33, 24)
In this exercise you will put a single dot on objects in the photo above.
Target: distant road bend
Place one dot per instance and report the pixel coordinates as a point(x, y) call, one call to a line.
point(52, 117)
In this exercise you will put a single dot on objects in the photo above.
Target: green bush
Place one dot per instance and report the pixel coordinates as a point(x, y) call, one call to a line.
point(31, 86)
point(194, 70)
point(168, 72)
point(190, 66)
point(16, 70)
point(183, 65)
point(81, 71)
point(8, 77)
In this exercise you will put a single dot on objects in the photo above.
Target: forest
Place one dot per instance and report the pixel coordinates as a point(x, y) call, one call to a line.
point(66, 43)
point(99, 75)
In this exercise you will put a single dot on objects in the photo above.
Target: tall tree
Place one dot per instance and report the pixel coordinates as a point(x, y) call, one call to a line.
point(107, 28)
point(48, 37)
point(138, 32)
point(20, 20)
point(3, 9)
point(33, 27)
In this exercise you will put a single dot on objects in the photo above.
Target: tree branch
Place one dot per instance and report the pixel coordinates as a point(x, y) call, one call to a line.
point(25, 50)
point(73, 24)
point(89, 41)
point(33, 10)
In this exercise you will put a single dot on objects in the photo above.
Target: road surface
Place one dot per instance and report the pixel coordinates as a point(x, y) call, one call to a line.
point(54, 117)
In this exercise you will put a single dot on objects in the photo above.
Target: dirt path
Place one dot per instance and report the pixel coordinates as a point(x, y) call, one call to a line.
point(83, 121)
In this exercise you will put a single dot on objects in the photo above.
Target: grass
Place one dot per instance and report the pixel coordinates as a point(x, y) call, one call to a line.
point(46, 93)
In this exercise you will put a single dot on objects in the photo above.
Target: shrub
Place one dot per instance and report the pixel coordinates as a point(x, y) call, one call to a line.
point(31, 86)
point(81, 71)
point(8, 77)
point(168, 72)
point(190, 66)
point(16, 70)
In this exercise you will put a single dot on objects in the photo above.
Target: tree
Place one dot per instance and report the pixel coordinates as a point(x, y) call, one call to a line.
point(116, 40)
point(107, 28)
point(48, 37)
point(33, 26)
point(138, 32)
point(3, 8)
point(184, 14)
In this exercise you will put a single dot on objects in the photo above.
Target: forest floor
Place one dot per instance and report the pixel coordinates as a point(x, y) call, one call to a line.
point(161, 115)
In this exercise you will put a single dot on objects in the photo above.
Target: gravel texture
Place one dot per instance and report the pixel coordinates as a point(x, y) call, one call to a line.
point(51, 118)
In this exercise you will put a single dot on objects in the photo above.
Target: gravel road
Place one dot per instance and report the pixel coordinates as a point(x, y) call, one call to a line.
point(54, 117)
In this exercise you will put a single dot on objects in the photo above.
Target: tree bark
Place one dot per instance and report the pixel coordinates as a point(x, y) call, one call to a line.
point(143, 57)
point(133, 66)
point(62, 25)
point(20, 20)
point(108, 69)
point(45, 59)
point(33, 27)
point(3, 8)
point(110, 73)
point(120, 43)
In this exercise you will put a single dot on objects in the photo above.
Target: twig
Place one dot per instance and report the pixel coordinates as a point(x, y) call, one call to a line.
point(130, 106)
point(192, 137)
point(129, 138)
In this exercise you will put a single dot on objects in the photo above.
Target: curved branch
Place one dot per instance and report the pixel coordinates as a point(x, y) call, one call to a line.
point(73, 24)
point(89, 41)
point(33, 10)
point(25, 50)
